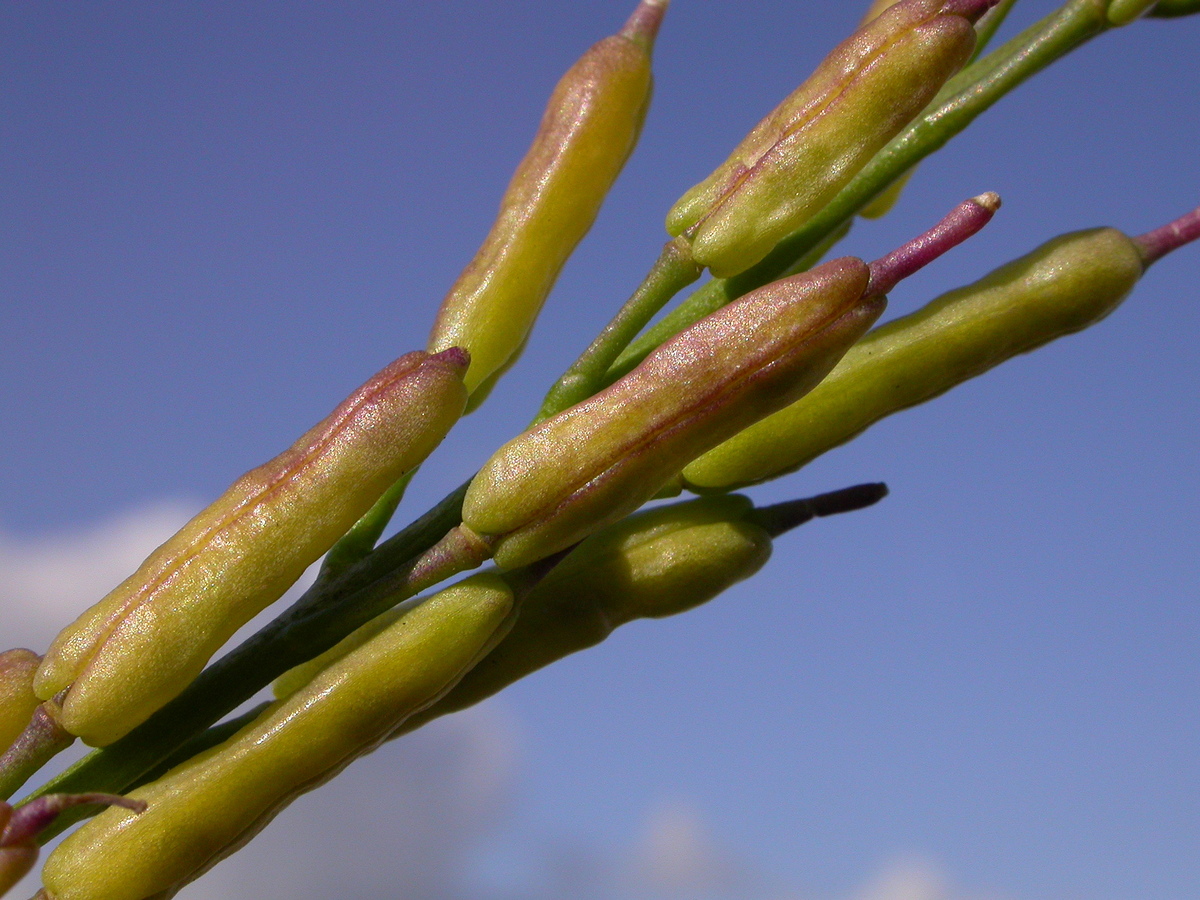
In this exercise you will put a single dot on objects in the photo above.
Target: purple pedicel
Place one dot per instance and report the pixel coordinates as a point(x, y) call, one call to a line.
point(37, 814)
point(962, 222)
point(1154, 245)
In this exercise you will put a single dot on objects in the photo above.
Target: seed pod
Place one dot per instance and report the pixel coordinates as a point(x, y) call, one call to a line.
point(1062, 287)
point(1122, 12)
point(652, 564)
point(587, 132)
point(603, 458)
point(795, 160)
point(17, 699)
point(150, 637)
point(208, 807)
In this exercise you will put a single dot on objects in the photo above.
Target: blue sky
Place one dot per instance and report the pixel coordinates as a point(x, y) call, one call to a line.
point(219, 219)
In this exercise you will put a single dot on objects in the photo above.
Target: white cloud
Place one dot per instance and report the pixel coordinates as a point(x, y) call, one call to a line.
point(46, 582)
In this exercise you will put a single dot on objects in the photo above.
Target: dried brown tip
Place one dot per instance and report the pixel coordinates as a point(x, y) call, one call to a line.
point(963, 221)
point(642, 26)
point(1154, 245)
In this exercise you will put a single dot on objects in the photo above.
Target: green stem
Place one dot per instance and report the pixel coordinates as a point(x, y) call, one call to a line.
point(672, 272)
point(430, 550)
point(966, 96)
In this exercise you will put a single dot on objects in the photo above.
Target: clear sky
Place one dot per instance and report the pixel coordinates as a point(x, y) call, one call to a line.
point(220, 218)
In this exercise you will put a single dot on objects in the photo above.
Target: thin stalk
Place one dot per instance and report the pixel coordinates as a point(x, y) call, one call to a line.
point(1154, 245)
point(783, 517)
point(42, 740)
point(964, 98)
point(672, 272)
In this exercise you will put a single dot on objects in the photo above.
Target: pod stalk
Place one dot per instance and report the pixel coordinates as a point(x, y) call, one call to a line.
point(40, 742)
point(964, 220)
point(1154, 245)
point(780, 518)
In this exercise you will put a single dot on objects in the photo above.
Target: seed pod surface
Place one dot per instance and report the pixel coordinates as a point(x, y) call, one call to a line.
point(17, 699)
point(145, 641)
point(587, 132)
point(601, 459)
point(797, 159)
point(1064, 286)
point(209, 806)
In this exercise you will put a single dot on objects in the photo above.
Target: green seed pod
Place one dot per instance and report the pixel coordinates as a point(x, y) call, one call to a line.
point(797, 159)
point(1122, 12)
point(652, 564)
point(1064, 286)
point(144, 642)
point(211, 805)
point(17, 699)
point(596, 462)
point(587, 133)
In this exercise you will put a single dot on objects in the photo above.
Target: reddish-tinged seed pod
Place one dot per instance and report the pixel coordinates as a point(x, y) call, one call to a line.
point(1062, 287)
point(594, 463)
point(587, 132)
point(144, 642)
point(17, 699)
point(603, 458)
point(209, 806)
point(797, 159)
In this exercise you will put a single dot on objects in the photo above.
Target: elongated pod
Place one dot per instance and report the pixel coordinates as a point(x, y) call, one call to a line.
point(587, 132)
point(1062, 287)
point(206, 808)
point(143, 643)
point(797, 158)
point(17, 699)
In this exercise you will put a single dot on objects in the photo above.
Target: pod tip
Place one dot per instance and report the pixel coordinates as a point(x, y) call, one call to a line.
point(642, 26)
point(989, 200)
point(457, 357)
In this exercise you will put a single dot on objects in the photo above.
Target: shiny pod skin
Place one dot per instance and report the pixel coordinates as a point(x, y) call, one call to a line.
point(211, 805)
point(652, 564)
point(17, 699)
point(1063, 286)
point(797, 159)
point(601, 459)
point(589, 128)
point(143, 643)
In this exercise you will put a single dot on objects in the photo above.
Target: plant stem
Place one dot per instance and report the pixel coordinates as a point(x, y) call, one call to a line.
point(1154, 245)
point(40, 742)
point(672, 272)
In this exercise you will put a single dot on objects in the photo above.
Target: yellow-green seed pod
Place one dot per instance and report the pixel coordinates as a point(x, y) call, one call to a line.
point(1122, 12)
point(587, 133)
point(144, 642)
point(1064, 286)
point(17, 699)
point(598, 461)
point(652, 564)
point(797, 159)
point(206, 808)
